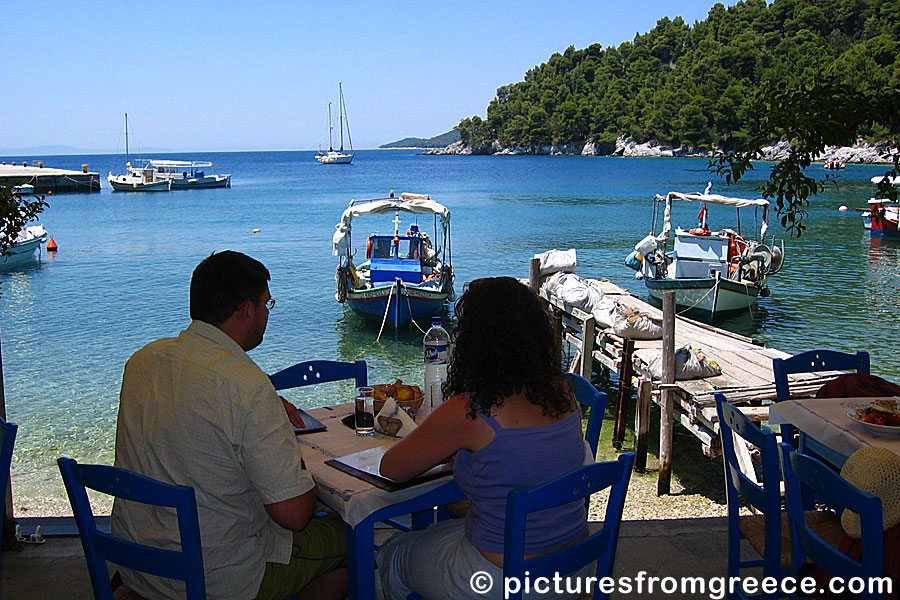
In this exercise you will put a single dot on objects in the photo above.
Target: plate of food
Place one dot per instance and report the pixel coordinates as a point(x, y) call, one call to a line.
point(409, 397)
point(882, 416)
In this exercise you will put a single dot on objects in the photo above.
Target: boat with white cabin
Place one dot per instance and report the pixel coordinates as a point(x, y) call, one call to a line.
point(710, 271)
point(404, 276)
point(337, 157)
point(137, 179)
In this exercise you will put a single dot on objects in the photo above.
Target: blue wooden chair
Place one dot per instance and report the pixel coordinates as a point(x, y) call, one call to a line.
point(763, 531)
point(812, 361)
point(600, 545)
point(7, 441)
point(312, 372)
point(805, 477)
point(99, 547)
point(588, 395)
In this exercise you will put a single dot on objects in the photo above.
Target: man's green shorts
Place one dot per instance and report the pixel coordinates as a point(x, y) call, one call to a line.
point(321, 547)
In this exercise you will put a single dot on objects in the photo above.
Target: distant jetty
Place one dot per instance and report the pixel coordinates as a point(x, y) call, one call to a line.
point(861, 153)
point(48, 179)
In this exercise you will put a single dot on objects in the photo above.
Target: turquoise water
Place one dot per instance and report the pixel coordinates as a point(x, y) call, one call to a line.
point(121, 276)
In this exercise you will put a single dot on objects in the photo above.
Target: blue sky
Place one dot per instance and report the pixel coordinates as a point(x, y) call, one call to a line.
point(220, 76)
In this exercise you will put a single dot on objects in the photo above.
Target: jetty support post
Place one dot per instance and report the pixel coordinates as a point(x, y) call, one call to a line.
point(588, 336)
point(642, 424)
point(534, 274)
point(667, 400)
point(625, 373)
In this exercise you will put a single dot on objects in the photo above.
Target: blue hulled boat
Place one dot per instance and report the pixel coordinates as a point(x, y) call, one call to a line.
point(404, 276)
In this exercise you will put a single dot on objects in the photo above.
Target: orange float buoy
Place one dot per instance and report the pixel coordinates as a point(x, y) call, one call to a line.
point(51, 246)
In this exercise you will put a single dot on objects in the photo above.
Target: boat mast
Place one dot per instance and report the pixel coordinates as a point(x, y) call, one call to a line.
point(330, 130)
point(341, 108)
point(126, 139)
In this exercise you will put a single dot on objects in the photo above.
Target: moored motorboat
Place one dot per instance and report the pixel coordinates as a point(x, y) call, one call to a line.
point(26, 247)
point(710, 271)
point(188, 174)
point(404, 276)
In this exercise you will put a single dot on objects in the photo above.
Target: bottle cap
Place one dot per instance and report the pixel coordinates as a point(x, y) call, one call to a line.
point(435, 321)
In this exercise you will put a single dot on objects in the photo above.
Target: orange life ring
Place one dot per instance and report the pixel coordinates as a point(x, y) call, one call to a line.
point(369, 248)
point(700, 231)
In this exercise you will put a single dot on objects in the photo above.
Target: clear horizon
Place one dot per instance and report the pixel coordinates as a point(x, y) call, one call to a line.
point(231, 77)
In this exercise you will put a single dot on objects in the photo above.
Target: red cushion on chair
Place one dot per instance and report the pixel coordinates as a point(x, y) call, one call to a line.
point(858, 385)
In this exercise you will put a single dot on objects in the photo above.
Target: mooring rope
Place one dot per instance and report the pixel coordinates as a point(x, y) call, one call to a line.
point(710, 290)
point(409, 306)
point(387, 307)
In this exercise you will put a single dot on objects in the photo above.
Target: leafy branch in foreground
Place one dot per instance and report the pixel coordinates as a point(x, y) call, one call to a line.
point(810, 118)
point(15, 212)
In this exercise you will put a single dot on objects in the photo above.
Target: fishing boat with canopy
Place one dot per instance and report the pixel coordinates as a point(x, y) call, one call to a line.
point(404, 276)
point(710, 271)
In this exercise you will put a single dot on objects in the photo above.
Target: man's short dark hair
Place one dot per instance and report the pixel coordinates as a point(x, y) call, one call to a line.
point(224, 281)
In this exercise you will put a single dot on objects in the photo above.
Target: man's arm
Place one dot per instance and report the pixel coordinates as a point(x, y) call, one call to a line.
point(294, 513)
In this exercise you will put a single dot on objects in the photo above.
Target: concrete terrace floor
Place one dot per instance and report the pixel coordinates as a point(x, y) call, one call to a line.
point(664, 548)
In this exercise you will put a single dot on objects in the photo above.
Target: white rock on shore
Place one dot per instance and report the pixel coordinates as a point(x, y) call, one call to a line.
point(861, 153)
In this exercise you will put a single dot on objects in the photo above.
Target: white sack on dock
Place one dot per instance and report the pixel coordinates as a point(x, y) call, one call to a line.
point(690, 363)
point(555, 261)
point(608, 314)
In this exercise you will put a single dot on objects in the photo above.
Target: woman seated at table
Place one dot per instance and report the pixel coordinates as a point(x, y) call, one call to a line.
point(511, 421)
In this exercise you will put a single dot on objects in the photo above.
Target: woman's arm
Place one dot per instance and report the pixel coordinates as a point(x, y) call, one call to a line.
point(433, 442)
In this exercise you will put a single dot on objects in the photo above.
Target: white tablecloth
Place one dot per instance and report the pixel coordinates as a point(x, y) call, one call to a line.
point(352, 498)
point(826, 420)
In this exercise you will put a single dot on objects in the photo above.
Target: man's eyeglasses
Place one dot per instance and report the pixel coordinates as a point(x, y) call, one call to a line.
point(270, 303)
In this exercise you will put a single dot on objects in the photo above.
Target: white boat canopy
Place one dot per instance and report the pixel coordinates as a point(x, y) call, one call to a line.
point(893, 180)
point(710, 199)
point(179, 164)
point(417, 204)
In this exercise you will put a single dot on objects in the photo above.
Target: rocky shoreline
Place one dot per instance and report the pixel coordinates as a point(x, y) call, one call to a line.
point(860, 153)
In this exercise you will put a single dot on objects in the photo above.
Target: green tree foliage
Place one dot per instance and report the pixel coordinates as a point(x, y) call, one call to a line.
point(815, 72)
point(15, 212)
point(697, 85)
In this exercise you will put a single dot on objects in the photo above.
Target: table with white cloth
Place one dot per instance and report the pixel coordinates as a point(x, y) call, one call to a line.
point(355, 500)
point(825, 420)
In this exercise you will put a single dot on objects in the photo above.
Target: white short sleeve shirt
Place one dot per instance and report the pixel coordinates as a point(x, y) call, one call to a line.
point(196, 410)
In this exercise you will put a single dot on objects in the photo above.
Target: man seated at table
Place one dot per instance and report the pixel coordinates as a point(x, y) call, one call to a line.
point(196, 410)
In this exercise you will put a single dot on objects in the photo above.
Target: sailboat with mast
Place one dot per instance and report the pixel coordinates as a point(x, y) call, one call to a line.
point(337, 157)
point(137, 179)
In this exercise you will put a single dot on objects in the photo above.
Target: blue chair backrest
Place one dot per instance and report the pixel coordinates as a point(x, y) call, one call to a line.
point(812, 362)
point(600, 545)
point(312, 372)
point(587, 394)
point(766, 497)
point(99, 547)
point(7, 441)
point(805, 476)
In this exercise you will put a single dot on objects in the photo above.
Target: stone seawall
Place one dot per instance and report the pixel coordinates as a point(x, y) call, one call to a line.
point(861, 153)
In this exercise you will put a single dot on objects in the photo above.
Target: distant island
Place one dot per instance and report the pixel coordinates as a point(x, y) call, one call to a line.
point(438, 141)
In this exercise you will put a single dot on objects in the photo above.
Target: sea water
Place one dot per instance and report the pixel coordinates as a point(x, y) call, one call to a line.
point(120, 279)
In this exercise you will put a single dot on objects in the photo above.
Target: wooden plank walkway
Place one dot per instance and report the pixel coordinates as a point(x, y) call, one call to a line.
point(746, 379)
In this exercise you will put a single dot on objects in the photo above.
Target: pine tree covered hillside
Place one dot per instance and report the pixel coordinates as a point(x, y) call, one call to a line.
point(694, 85)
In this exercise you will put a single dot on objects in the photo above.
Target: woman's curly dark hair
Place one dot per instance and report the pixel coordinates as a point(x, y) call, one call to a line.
point(504, 343)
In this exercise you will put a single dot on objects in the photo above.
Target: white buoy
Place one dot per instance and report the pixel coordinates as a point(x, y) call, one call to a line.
point(843, 208)
point(256, 231)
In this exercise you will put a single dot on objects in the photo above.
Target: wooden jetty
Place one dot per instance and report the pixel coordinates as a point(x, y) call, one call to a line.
point(746, 379)
point(48, 179)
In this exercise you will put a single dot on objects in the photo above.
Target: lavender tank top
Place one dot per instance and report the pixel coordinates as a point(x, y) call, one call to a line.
point(522, 457)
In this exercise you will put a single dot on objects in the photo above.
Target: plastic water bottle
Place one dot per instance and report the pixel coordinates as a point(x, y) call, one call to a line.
point(437, 356)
